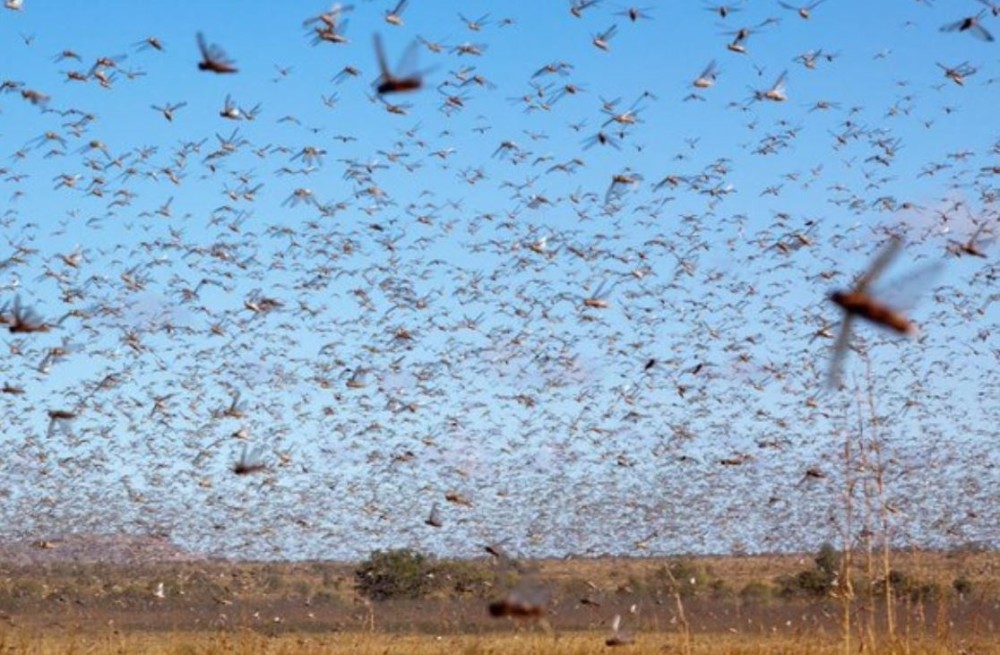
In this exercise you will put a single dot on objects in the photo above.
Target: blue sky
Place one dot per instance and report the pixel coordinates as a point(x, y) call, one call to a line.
point(448, 273)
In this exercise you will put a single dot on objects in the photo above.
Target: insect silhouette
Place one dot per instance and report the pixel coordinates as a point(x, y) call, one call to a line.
point(526, 600)
point(516, 606)
point(972, 247)
point(972, 25)
point(804, 11)
point(388, 82)
point(23, 320)
point(858, 302)
point(249, 462)
point(707, 77)
point(213, 58)
point(434, 518)
point(394, 16)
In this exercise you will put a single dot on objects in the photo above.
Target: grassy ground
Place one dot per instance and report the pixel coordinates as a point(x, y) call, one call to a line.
point(271, 608)
point(250, 580)
point(535, 641)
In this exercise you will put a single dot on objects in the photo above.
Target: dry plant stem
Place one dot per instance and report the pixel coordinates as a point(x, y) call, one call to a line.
point(681, 617)
point(872, 590)
point(876, 445)
point(943, 627)
point(369, 619)
point(869, 633)
point(844, 589)
point(868, 535)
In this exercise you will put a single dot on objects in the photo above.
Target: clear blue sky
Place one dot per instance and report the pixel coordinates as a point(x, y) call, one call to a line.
point(448, 271)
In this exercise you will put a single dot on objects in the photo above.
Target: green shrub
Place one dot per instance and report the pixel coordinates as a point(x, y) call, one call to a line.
point(926, 591)
point(756, 592)
point(395, 574)
point(466, 578)
point(828, 561)
point(818, 581)
point(691, 577)
point(721, 589)
point(814, 583)
point(962, 586)
point(904, 586)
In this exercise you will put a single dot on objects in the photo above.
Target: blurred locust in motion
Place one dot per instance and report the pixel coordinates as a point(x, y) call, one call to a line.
point(860, 303)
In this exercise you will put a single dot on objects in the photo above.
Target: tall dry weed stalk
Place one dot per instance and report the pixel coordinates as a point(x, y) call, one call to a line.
point(369, 615)
point(875, 446)
point(682, 621)
point(865, 464)
point(844, 590)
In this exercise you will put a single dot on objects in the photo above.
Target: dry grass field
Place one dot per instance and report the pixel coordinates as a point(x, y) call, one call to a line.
point(945, 603)
point(506, 643)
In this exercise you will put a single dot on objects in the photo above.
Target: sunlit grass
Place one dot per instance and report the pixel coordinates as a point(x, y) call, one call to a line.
point(523, 643)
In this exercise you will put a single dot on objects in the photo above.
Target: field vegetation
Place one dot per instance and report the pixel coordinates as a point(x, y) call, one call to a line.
point(403, 601)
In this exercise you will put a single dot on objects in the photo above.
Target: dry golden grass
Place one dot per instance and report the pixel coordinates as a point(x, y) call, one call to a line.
point(981, 568)
point(528, 642)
